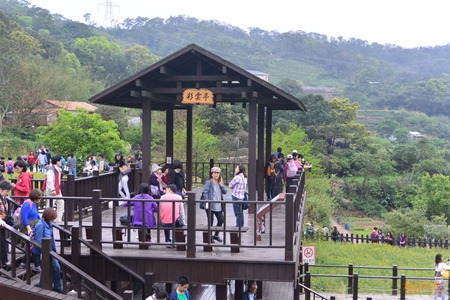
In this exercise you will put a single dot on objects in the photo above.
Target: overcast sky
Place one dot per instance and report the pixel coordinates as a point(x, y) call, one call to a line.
point(405, 23)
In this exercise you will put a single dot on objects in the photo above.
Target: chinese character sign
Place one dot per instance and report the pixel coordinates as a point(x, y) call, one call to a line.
point(197, 96)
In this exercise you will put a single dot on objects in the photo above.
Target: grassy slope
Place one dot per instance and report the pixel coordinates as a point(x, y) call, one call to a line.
point(342, 254)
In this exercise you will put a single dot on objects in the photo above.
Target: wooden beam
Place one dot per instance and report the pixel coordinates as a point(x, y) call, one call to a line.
point(157, 98)
point(135, 94)
point(142, 83)
point(223, 90)
point(166, 71)
point(193, 78)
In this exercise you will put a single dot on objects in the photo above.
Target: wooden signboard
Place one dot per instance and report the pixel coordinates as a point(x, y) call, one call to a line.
point(197, 96)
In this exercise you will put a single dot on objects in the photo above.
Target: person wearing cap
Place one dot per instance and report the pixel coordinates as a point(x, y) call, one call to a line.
point(156, 182)
point(214, 190)
point(123, 179)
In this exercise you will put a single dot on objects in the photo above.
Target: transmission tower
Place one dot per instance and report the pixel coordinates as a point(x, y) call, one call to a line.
point(108, 20)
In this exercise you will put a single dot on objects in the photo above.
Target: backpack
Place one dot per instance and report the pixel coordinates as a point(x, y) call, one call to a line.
point(10, 168)
point(2, 168)
point(271, 171)
point(291, 169)
point(17, 218)
point(107, 167)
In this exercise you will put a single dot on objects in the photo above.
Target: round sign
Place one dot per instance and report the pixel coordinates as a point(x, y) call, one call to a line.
point(308, 252)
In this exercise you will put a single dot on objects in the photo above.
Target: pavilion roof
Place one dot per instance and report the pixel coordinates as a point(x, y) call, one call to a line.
point(194, 67)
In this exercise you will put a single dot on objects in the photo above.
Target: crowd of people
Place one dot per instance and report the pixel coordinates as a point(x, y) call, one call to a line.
point(278, 171)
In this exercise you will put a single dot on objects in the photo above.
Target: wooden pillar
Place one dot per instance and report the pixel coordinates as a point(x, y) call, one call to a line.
point(259, 292)
point(191, 206)
point(69, 205)
point(261, 157)
point(169, 133)
point(189, 139)
point(96, 218)
point(146, 139)
point(252, 150)
point(268, 133)
point(221, 292)
point(238, 289)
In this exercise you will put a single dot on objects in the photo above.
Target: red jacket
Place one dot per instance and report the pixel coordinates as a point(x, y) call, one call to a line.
point(23, 185)
point(32, 159)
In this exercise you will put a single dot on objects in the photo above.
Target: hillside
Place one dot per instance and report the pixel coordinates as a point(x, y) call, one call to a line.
point(402, 76)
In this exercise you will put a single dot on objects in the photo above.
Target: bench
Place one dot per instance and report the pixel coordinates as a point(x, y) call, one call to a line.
point(235, 237)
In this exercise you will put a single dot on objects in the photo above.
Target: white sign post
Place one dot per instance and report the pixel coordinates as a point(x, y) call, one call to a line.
point(309, 255)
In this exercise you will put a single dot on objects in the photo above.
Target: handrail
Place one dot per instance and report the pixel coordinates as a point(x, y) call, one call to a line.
point(353, 278)
point(16, 235)
point(111, 260)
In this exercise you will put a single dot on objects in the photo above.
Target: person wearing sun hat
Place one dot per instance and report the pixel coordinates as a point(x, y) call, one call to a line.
point(156, 183)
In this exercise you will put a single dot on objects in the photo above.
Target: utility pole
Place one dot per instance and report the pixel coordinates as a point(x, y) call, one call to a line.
point(108, 20)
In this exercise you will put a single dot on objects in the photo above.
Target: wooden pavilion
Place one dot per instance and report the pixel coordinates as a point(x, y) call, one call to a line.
point(195, 76)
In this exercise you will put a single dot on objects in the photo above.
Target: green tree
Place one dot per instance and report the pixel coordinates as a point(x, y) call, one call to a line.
point(138, 57)
point(83, 134)
point(101, 57)
point(434, 196)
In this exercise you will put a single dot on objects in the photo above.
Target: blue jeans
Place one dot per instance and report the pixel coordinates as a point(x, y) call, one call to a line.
point(73, 171)
point(238, 212)
point(439, 289)
point(57, 286)
point(167, 232)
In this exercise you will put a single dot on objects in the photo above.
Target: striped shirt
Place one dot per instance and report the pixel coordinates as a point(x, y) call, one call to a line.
point(238, 186)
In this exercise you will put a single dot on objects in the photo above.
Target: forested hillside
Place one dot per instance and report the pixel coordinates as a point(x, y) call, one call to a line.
point(393, 90)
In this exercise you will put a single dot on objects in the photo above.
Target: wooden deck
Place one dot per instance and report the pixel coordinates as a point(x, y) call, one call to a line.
point(208, 270)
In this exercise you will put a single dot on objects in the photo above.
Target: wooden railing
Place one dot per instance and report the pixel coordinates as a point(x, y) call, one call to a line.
point(100, 222)
point(356, 239)
point(79, 280)
point(201, 171)
point(400, 284)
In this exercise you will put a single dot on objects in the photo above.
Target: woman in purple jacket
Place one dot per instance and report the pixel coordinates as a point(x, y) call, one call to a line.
point(138, 213)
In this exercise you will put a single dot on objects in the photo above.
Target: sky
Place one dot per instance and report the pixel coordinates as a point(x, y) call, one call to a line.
point(406, 23)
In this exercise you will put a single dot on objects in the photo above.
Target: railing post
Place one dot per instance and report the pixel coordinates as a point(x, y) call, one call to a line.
point(75, 254)
point(350, 279)
point(211, 165)
point(69, 190)
point(308, 285)
point(96, 218)
point(149, 279)
point(403, 287)
point(191, 206)
point(47, 268)
point(394, 280)
point(355, 286)
point(289, 228)
point(128, 295)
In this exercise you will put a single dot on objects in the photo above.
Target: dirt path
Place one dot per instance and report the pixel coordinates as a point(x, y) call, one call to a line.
point(340, 228)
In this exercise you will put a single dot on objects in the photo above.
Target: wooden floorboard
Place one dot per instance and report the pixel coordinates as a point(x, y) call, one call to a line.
point(276, 230)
